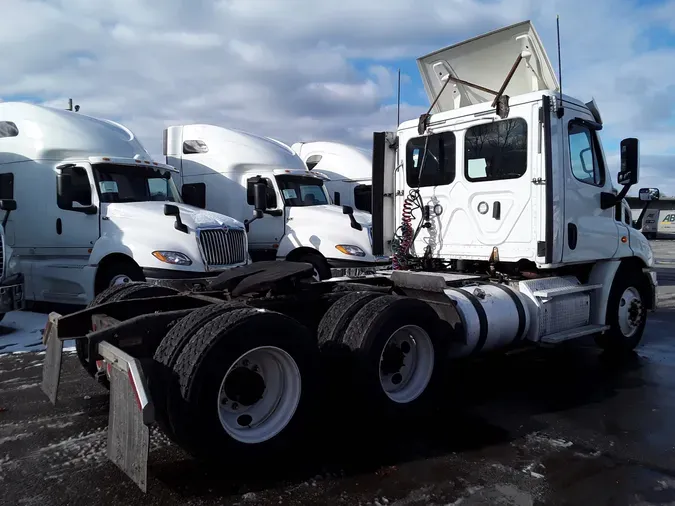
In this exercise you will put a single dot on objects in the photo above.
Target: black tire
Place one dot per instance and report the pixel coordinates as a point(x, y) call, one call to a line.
point(336, 320)
point(110, 270)
point(81, 344)
point(117, 293)
point(202, 366)
point(318, 262)
point(367, 335)
point(614, 340)
point(169, 350)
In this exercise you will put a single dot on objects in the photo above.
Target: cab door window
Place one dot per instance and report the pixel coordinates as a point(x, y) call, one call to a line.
point(77, 188)
point(587, 164)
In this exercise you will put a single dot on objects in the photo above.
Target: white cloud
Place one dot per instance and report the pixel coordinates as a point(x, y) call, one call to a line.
point(296, 69)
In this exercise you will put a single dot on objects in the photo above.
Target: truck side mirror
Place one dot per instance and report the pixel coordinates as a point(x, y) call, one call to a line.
point(171, 210)
point(64, 193)
point(258, 187)
point(630, 162)
point(8, 205)
point(649, 194)
point(260, 195)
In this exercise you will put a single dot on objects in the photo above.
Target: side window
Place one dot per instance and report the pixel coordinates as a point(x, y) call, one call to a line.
point(194, 194)
point(76, 188)
point(7, 186)
point(587, 165)
point(271, 194)
point(158, 188)
point(8, 129)
point(362, 197)
point(430, 160)
point(496, 151)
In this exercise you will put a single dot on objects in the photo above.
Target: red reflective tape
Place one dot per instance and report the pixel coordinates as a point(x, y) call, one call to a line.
point(133, 387)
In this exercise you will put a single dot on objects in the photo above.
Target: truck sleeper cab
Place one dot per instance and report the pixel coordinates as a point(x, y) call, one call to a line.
point(102, 212)
point(348, 168)
point(219, 167)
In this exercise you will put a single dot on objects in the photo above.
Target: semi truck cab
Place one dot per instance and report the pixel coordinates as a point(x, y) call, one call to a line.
point(101, 211)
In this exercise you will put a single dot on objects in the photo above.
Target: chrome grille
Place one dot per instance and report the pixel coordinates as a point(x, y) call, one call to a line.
point(222, 246)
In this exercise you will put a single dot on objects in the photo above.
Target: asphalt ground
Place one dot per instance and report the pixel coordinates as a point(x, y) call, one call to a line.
point(563, 427)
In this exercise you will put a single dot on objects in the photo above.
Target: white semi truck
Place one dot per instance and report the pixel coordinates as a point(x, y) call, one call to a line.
point(349, 169)
point(507, 234)
point(218, 169)
point(101, 211)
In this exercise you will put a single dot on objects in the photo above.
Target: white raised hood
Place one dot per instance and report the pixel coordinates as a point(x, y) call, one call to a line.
point(486, 61)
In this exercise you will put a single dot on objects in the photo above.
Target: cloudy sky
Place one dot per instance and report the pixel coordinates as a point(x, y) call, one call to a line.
point(307, 69)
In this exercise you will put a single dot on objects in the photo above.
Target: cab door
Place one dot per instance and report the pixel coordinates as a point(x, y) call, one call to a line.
point(590, 232)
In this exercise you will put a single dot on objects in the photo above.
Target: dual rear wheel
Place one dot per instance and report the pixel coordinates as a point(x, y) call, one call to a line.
point(233, 379)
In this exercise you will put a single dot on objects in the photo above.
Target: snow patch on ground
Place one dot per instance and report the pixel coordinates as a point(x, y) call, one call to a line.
point(21, 332)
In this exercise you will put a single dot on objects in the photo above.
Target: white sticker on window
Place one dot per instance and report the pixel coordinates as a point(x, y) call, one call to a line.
point(289, 193)
point(108, 186)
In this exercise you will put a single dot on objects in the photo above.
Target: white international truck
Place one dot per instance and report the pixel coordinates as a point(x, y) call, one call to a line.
point(507, 233)
point(218, 168)
point(101, 212)
point(349, 169)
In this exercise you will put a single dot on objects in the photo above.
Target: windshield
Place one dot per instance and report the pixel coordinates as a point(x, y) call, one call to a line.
point(300, 191)
point(123, 183)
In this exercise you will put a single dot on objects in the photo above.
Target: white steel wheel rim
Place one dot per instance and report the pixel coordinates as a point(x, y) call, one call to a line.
point(411, 379)
point(630, 311)
point(263, 419)
point(120, 279)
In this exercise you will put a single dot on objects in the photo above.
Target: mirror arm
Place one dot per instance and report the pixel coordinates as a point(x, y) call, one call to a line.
point(638, 222)
point(608, 200)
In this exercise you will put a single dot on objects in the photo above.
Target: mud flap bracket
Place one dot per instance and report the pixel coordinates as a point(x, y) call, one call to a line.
point(51, 367)
point(131, 413)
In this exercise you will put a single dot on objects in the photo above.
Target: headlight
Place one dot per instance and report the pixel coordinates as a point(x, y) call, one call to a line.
point(348, 249)
point(172, 257)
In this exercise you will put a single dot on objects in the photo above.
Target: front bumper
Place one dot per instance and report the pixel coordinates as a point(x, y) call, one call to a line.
point(180, 280)
point(339, 267)
point(12, 296)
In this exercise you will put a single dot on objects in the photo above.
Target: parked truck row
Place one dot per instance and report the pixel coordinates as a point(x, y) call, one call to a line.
point(506, 232)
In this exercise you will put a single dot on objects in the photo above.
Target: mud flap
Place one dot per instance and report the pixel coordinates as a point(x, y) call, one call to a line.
point(51, 367)
point(131, 412)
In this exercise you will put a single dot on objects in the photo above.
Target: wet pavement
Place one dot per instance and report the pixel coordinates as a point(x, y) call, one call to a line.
point(560, 427)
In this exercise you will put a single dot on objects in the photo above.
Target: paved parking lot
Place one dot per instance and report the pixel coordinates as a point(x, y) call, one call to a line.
point(561, 427)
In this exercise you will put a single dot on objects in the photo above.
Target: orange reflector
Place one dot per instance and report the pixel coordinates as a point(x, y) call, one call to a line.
point(89, 250)
point(624, 239)
point(155, 163)
point(106, 159)
point(138, 161)
point(275, 246)
point(147, 162)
